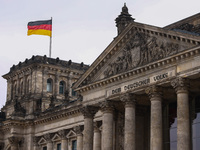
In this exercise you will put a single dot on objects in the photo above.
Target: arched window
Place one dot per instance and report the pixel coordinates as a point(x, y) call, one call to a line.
point(49, 85)
point(61, 87)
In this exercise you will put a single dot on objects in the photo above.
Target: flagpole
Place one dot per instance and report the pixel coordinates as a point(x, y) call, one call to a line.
point(50, 43)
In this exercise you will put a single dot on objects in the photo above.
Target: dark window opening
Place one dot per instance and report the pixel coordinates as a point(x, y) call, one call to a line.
point(61, 87)
point(74, 145)
point(49, 85)
point(73, 92)
point(195, 115)
point(44, 148)
point(59, 146)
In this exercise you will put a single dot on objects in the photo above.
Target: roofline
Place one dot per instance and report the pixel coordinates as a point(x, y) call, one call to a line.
point(188, 19)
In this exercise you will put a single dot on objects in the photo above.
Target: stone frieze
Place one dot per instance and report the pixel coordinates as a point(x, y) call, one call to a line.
point(140, 50)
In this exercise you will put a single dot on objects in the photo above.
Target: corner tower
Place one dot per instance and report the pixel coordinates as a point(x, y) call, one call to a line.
point(123, 19)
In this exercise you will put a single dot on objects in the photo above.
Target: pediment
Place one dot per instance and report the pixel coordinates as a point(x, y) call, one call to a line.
point(42, 141)
point(71, 134)
point(56, 137)
point(138, 45)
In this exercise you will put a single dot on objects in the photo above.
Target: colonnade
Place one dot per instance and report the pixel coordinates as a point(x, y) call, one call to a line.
point(93, 139)
point(156, 126)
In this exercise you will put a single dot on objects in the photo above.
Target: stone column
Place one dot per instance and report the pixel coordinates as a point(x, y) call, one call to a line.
point(78, 130)
point(97, 137)
point(130, 125)
point(183, 118)
point(62, 134)
point(49, 142)
point(88, 112)
point(107, 131)
point(156, 139)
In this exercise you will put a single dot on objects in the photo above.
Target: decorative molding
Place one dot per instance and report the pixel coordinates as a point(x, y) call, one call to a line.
point(62, 133)
point(140, 50)
point(128, 99)
point(154, 92)
point(188, 27)
point(142, 69)
point(107, 106)
point(78, 130)
point(48, 137)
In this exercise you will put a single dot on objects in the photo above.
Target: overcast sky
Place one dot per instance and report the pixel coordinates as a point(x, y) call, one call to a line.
point(82, 29)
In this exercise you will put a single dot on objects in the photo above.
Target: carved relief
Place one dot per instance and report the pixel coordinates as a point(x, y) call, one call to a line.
point(140, 50)
point(107, 106)
point(153, 91)
point(189, 27)
point(78, 130)
point(88, 111)
point(128, 99)
point(180, 84)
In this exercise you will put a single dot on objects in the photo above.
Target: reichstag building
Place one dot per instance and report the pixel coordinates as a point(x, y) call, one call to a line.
point(141, 93)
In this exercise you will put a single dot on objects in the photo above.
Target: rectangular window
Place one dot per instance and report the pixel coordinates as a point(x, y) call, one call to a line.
point(59, 146)
point(44, 148)
point(74, 145)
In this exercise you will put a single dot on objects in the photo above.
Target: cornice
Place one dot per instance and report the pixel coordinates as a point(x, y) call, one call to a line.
point(47, 67)
point(57, 115)
point(48, 117)
point(120, 40)
point(137, 71)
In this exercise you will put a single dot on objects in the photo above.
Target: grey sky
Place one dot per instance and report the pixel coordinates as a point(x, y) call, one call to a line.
point(81, 28)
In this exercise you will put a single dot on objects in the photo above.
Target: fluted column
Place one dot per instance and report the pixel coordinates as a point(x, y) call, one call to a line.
point(107, 131)
point(49, 142)
point(130, 125)
point(97, 137)
point(183, 120)
point(62, 134)
point(78, 130)
point(156, 142)
point(88, 112)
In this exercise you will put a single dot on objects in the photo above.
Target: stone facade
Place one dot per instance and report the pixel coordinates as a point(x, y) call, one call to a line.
point(141, 93)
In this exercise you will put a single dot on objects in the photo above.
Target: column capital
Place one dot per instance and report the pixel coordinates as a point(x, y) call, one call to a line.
point(154, 92)
point(78, 130)
point(128, 99)
point(180, 84)
point(89, 111)
point(107, 106)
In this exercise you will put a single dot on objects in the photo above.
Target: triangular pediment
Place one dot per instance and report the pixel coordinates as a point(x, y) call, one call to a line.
point(56, 137)
point(71, 134)
point(136, 46)
point(42, 141)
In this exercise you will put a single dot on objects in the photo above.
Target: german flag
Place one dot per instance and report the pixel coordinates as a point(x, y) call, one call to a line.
point(43, 27)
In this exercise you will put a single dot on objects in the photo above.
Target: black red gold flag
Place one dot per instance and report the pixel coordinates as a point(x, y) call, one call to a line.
point(43, 27)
